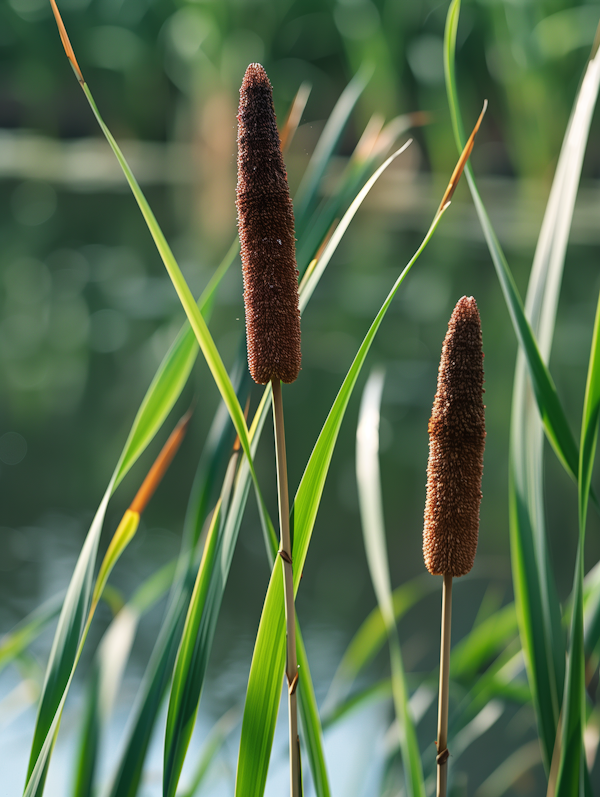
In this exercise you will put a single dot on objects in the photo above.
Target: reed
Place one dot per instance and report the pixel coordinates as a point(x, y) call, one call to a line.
point(266, 227)
point(454, 471)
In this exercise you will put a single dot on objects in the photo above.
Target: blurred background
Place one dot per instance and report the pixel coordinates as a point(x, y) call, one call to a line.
point(87, 310)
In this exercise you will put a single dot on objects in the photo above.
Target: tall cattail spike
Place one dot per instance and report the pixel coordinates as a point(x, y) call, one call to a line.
point(266, 228)
point(456, 443)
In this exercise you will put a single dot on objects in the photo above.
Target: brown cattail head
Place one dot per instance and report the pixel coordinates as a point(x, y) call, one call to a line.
point(266, 227)
point(456, 443)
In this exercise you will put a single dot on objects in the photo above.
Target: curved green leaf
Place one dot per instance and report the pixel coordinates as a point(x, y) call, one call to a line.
point(551, 411)
point(573, 713)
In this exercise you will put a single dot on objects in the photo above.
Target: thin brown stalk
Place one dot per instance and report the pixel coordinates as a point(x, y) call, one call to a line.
point(285, 551)
point(442, 734)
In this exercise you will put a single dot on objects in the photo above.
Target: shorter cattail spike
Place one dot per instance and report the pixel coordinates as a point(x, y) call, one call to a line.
point(456, 444)
point(266, 228)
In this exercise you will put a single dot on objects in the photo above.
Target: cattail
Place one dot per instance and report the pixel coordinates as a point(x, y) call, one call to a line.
point(456, 443)
point(266, 228)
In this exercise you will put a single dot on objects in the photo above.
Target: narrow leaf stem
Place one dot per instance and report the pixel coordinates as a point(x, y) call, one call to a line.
point(285, 551)
point(442, 735)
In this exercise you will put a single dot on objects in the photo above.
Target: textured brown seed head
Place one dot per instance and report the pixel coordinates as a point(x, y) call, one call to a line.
point(266, 228)
point(456, 443)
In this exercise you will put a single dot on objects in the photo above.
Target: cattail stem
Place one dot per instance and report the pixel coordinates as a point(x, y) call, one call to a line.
point(285, 551)
point(442, 734)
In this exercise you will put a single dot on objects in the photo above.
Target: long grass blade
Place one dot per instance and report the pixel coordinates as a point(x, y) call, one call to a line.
point(186, 690)
point(194, 316)
point(573, 715)
point(551, 411)
point(371, 510)
point(527, 437)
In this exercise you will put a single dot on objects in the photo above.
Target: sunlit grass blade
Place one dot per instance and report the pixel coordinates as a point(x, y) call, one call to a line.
point(551, 411)
point(371, 511)
point(573, 711)
point(306, 194)
point(194, 316)
point(170, 378)
point(182, 706)
point(179, 728)
point(197, 323)
point(262, 698)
